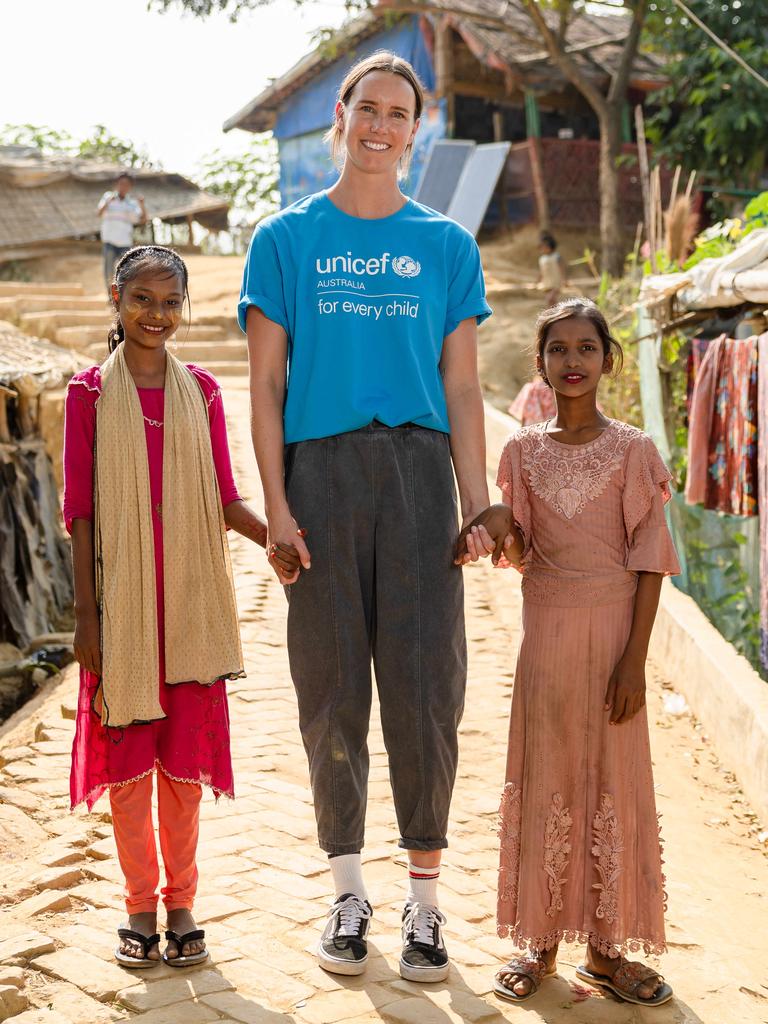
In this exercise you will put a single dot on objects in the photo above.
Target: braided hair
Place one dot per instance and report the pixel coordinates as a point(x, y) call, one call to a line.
point(144, 259)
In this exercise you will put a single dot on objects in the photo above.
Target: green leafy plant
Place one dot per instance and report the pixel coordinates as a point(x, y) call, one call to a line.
point(248, 180)
point(711, 116)
point(101, 144)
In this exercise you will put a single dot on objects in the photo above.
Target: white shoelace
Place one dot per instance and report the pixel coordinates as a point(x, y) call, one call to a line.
point(351, 912)
point(420, 920)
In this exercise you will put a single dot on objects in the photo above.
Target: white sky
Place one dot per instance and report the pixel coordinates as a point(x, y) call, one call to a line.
point(165, 81)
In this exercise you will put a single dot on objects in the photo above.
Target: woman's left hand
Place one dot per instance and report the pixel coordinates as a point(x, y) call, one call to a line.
point(485, 534)
point(626, 689)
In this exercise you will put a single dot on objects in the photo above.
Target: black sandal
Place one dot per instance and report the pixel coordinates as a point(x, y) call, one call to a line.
point(181, 941)
point(146, 941)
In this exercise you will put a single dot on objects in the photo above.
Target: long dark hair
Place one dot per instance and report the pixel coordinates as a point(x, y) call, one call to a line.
point(144, 259)
point(586, 310)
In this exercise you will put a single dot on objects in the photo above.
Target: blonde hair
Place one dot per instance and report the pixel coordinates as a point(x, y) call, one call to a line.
point(381, 60)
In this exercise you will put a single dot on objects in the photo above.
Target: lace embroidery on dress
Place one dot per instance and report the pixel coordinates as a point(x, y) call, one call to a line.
point(540, 943)
point(664, 894)
point(608, 846)
point(566, 477)
point(556, 851)
point(510, 814)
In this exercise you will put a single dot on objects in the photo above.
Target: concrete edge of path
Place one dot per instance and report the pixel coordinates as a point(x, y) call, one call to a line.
point(721, 687)
point(724, 691)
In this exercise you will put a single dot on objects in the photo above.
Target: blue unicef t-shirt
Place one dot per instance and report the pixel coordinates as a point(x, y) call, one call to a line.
point(366, 305)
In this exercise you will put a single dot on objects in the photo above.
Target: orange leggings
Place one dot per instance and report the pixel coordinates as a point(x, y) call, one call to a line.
point(178, 812)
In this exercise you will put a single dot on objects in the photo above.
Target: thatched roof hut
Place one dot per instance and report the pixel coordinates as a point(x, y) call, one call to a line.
point(54, 199)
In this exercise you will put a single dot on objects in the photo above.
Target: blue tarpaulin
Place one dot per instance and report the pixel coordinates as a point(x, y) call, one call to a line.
point(305, 165)
point(311, 108)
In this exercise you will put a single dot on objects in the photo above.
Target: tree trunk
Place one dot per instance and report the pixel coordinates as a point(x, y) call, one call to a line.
point(610, 222)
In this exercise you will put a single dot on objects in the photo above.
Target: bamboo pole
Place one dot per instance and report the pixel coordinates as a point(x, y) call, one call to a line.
point(645, 184)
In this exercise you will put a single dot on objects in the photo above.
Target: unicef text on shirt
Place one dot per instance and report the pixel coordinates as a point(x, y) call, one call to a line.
point(403, 266)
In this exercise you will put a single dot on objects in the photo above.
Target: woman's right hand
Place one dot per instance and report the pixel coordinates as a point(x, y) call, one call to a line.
point(86, 641)
point(283, 530)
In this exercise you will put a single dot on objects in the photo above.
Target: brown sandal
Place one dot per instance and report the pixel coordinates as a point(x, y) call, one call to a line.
point(535, 970)
point(626, 980)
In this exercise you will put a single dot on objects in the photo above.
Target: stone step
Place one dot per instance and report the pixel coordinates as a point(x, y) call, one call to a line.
point(11, 288)
point(204, 352)
point(44, 303)
point(201, 352)
point(46, 324)
point(83, 337)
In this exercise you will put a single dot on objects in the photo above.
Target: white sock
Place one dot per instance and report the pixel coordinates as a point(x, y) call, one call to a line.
point(422, 884)
point(347, 871)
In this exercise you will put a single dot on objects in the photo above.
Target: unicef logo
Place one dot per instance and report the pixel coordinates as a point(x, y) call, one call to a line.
point(406, 266)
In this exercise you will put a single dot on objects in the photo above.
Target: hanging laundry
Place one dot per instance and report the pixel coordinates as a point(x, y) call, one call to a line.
point(700, 422)
point(696, 354)
point(722, 434)
point(762, 488)
point(732, 479)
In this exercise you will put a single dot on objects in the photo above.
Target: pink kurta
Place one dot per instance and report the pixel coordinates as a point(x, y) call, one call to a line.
point(580, 850)
point(192, 743)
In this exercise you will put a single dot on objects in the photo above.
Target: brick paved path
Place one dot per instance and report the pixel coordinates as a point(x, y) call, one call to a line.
point(264, 886)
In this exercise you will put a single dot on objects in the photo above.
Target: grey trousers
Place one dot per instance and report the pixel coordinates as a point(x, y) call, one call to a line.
point(379, 507)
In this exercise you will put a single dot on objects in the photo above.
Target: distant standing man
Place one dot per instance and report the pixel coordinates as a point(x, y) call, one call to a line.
point(119, 211)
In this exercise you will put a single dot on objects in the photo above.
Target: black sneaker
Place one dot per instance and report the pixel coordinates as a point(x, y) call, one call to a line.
point(424, 956)
point(343, 948)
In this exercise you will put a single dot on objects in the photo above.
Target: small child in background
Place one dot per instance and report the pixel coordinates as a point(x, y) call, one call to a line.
point(552, 274)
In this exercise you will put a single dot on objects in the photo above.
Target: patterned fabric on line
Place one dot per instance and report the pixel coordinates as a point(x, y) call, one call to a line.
point(762, 486)
point(722, 436)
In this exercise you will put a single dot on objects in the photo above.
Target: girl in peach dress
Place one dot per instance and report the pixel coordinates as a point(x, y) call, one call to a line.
point(583, 520)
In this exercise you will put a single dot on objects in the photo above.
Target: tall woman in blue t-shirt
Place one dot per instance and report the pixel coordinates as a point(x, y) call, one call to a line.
point(361, 309)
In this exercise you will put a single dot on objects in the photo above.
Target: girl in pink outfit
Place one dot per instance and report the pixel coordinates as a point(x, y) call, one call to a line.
point(583, 519)
point(131, 426)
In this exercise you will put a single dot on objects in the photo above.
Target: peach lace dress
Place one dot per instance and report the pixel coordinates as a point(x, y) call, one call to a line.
point(580, 848)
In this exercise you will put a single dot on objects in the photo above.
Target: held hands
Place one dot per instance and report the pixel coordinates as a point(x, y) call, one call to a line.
point(285, 560)
point(490, 533)
point(86, 641)
point(286, 548)
point(626, 689)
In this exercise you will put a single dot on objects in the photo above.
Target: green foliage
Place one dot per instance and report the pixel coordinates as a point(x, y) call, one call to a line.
point(712, 115)
point(205, 8)
point(37, 136)
point(101, 144)
point(719, 582)
point(248, 180)
point(619, 395)
point(234, 8)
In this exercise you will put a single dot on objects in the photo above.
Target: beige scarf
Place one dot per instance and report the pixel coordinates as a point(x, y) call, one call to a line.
point(202, 640)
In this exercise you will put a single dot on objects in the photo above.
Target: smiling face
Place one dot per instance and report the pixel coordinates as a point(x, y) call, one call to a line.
point(378, 122)
point(572, 357)
point(150, 308)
